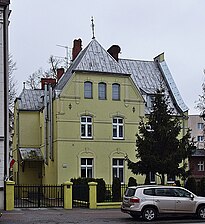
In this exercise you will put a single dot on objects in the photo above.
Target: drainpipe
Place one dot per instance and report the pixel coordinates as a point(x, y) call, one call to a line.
point(5, 91)
point(45, 124)
point(50, 114)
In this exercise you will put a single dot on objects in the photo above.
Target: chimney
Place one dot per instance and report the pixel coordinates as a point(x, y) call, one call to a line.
point(114, 50)
point(47, 81)
point(77, 47)
point(60, 72)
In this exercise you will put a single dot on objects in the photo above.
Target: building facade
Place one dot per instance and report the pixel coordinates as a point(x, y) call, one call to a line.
point(197, 160)
point(4, 118)
point(85, 123)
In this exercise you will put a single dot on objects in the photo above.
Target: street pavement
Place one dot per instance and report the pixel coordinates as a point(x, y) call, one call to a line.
point(80, 215)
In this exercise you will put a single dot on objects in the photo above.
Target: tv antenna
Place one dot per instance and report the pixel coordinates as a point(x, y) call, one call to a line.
point(67, 54)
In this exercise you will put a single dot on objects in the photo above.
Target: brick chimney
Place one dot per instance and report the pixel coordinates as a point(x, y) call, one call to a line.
point(114, 51)
point(60, 72)
point(46, 81)
point(77, 47)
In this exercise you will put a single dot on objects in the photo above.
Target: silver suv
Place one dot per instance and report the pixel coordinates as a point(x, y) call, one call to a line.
point(150, 201)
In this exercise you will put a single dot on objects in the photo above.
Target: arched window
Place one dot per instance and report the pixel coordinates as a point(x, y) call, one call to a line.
point(88, 90)
point(102, 91)
point(116, 91)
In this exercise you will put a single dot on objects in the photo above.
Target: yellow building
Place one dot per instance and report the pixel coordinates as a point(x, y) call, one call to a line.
point(86, 123)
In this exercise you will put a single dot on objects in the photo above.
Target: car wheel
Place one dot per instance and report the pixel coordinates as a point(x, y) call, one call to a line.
point(201, 212)
point(149, 214)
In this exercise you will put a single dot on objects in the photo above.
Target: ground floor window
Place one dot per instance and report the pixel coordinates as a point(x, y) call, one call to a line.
point(118, 169)
point(87, 167)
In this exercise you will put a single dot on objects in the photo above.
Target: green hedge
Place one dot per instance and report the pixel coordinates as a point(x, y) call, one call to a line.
point(101, 188)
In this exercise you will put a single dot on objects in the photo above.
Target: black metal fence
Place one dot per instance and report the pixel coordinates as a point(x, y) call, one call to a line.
point(112, 195)
point(37, 196)
point(80, 195)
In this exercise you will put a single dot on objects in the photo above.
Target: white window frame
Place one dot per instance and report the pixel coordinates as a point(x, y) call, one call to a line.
point(118, 126)
point(118, 167)
point(87, 166)
point(87, 126)
point(200, 166)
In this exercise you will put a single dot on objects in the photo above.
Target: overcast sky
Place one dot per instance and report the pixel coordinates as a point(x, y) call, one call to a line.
point(142, 28)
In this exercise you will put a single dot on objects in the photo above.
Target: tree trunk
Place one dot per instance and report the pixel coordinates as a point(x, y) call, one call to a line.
point(163, 179)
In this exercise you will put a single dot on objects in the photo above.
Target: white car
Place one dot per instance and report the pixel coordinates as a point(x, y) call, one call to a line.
point(150, 201)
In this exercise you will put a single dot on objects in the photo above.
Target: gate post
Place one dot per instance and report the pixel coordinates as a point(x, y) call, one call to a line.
point(92, 195)
point(9, 195)
point(68, 200)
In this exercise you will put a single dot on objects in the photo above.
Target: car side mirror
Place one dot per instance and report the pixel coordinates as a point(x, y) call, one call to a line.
point(192, 197)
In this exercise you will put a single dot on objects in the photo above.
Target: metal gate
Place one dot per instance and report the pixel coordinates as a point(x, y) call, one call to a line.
point(38, 196)
point(80, 195)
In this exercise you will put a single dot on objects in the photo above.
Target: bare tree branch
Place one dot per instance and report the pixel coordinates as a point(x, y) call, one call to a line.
point(34, 80)
point(12, 82)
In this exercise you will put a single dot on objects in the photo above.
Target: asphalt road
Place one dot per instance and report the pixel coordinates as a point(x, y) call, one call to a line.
point(83, 216)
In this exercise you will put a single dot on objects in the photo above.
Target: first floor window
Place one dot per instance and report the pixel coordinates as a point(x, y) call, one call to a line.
point(117, 124)
point(201, 166)
point(87, 167)
point(118, 169)
point(86, 127)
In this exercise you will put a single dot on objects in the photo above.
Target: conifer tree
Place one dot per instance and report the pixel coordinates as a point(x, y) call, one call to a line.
point(159, 148)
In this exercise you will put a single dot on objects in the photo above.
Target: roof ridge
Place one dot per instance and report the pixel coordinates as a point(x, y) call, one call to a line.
point(97, 58)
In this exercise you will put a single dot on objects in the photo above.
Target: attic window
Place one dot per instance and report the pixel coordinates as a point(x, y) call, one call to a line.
point(116, 91)
point(88, 90)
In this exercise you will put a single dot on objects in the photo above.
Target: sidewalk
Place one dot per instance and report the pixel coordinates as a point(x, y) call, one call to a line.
point(51, 216)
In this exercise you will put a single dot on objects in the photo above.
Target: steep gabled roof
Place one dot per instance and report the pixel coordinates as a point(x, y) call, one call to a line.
point(152, 75)
point(148, 76)
point(97, 59)
point(31, 99)
point(94, 58)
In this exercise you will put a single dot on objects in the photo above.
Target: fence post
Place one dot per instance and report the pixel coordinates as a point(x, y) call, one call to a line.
point(68, 200)
point(92, 195)
point(9, 195)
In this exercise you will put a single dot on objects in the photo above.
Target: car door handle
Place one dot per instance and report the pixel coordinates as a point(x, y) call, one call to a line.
point(178, 201)
point(157, 200)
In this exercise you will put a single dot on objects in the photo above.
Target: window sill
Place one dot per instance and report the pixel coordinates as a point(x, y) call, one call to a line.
point(88, 138)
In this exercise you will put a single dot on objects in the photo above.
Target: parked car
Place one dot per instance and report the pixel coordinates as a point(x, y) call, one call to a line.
point(151, 201)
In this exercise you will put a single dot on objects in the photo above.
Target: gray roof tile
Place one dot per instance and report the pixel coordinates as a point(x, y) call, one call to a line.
point(31, 99)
